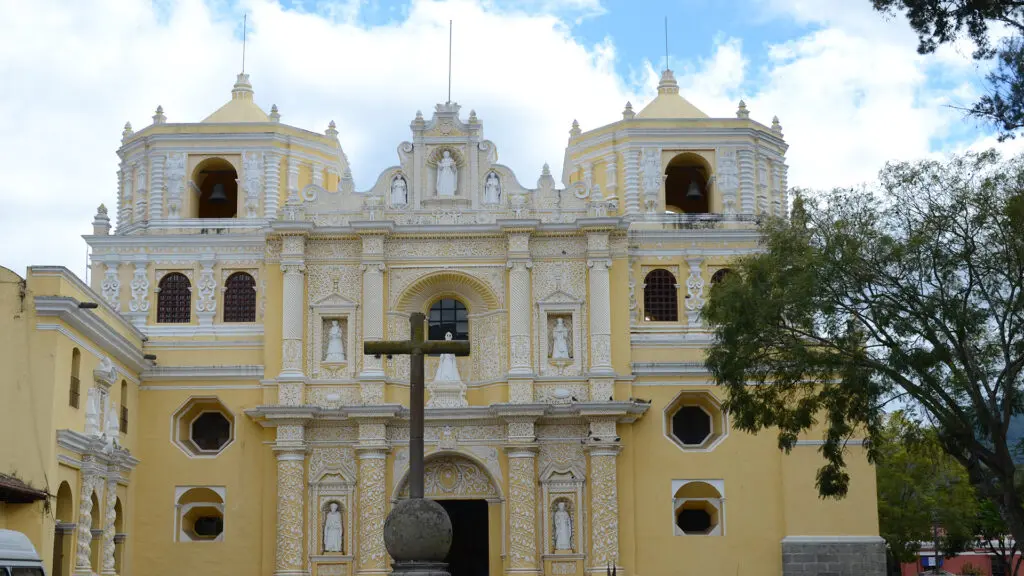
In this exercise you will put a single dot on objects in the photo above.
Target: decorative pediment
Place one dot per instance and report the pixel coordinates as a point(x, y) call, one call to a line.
point(555, 472)
point(559, 296)
point(333, 301)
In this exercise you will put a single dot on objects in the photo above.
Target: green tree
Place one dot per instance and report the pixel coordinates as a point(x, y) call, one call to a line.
point(938, 22)
point(913, 292)
point(921, 487)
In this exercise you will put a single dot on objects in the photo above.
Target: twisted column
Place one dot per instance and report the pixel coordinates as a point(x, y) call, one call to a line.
point(83, 566)
point(108, 527)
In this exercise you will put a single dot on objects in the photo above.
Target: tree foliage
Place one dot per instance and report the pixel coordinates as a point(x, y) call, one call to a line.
point(938, 22)
point(912, 291)
point(921, 487)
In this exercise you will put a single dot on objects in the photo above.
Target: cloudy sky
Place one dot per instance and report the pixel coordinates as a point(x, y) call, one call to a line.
point(847, 84)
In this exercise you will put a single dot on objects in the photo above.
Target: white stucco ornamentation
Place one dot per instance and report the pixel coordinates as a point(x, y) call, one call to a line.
point(727, 180)
point(140, 289)
point(206, 305)
point(85, 513)
point(372, 510)
point(252, 169)
point(694, 291)
point(604, 507)
point(174, 181)
point(111, 286)
point(290, 484)
point(522, 508)
point(108, 526)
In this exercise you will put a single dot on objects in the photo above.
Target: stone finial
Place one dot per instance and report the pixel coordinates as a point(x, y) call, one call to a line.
point(101, 222)
point(546, 181)
point(275, 116)
point(127, 132)
point(668, 84)
point(546, 170)
point(332, 130)
point(627, 112)
point(472, 117)
point(159, 117)
point(742, 111)
point(419, 115)
point(575, 131)
point(776, 127)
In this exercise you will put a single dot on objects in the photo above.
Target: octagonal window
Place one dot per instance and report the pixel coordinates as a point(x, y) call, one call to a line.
point(200, 514)
point(203, 427)
point(211, 431)
point(694, 421)
point(694, 521)
point(691, 425)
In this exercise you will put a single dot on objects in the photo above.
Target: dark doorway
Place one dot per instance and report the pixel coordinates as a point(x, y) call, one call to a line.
point(468, 554)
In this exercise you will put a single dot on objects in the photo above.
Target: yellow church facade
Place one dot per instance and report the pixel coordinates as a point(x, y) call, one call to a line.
point(204, 406)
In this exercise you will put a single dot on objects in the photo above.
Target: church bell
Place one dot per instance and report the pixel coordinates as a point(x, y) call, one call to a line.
point(218, 196)
point(693, 193)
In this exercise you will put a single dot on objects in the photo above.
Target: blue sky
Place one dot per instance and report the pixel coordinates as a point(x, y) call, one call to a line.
point(848, 86)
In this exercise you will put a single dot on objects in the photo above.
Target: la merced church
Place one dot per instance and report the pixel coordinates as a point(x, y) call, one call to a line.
point(203, 405)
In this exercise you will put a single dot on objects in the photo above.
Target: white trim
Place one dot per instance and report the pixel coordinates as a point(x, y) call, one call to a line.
point(177, 373)
point(87, 347)
point(833, 540)
point(204, 345)
point(68, 275)
point(853, 442)
point(190, 330)
point(668, 368)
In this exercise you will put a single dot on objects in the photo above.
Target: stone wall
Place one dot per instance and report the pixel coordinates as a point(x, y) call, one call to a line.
point(835, 556)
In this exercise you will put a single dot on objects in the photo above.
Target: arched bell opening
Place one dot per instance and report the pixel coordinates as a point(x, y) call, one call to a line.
point(216, 183)
point(687, 189)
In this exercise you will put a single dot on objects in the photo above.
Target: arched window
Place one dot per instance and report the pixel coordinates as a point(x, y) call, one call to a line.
point(75, 390)
point(217, 183)
point(124, 407)
point(660, 299)
point(448, 315)
point(686, 184)
point(240, 298)
point(720, 275)
point(174, 300)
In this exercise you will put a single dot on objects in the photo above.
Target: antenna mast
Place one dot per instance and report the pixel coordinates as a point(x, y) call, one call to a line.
point(666, 43)
point(449, 61)
point(244, 18)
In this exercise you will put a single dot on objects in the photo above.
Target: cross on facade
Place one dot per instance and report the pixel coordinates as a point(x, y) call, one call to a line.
point(416, 347)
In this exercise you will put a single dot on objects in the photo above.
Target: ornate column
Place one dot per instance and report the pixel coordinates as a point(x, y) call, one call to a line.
point(631, 159)
point(291, 380)
point(124, 195)
point(108, 526)
point(371, 378)
point(111, 283)
point(90, 476)
point(522, 496)
point(694, 292)
point(745, 159)
point(604, 497)
point(653, 179)
point(271, 183)
point(138, 306)
point(291, 485)
point(156, 188)
point(611, 176)
point(206, 303)
point(139, 207)
point(599, 261)
point(293, 181)
point(519, 312)
point(372, 452)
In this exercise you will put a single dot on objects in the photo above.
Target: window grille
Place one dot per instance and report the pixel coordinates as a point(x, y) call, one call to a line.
point(661, 303)
point(240, 298)
point(174, 300)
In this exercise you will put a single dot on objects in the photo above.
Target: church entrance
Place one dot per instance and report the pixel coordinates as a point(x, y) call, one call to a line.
point(468, 554)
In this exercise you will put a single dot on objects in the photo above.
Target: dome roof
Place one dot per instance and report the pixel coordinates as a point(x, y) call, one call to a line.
point(241, 107)
point(668, 103)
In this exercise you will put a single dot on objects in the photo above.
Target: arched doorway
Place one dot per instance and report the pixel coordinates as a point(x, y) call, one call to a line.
point(468, 492)
point(63, 533)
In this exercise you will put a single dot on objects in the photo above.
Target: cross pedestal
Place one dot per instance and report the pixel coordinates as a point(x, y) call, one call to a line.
point(417, 532)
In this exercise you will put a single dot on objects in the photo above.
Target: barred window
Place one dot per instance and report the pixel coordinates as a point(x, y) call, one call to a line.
point(124, 407)
point(660, 299)
point(720, 275)
point(240, 298)
point(75, 390)
point(448, 315)
point(174, 300)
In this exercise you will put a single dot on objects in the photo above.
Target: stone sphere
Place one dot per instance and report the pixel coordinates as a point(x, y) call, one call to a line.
point(418, 529)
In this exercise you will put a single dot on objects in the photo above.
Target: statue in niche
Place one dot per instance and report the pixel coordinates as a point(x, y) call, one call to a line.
point(92, 412)
point(563, 527)
point(447, 175)
point(335, 349)
point(492, 189)
point(399, 192)
point(560, 340)
point(333, 529)
point(111, 425)
point(447, 370)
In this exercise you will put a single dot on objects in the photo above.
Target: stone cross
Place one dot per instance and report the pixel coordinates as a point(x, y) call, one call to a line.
point(416, 346)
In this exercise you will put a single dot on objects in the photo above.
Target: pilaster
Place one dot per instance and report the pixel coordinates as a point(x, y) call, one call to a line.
point(598, 262)
point(271, 183)
point(631, 159)
point(519, 264)
point(372, 375)
point(291, 380)
point(745, 159)
point(522, 464)
point(124, 194)
point(291, 483)
point(694, 291)
point(604, 496)
point(611, 176)
point(138, 306)
point(371, 453)
point(139, 199)
point(110, 286)
point(156, 187)
point(206, 288)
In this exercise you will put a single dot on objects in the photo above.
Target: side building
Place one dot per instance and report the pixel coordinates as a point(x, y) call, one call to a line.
point(582, 432)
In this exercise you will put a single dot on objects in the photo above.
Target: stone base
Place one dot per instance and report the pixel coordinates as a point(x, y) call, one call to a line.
point(413, 568)
point(833, 556)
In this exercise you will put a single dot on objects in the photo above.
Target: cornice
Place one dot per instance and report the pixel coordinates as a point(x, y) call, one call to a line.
point(94, 446)
point(89, 324)
point(192, 373)
point(177, 241)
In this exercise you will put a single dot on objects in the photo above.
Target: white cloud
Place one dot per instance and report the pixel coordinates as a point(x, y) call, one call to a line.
point(851, 94)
